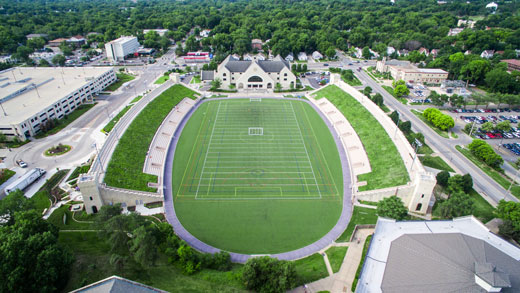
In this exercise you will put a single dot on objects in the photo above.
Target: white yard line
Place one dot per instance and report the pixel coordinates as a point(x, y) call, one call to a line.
point(308, 158)
point(209, 144)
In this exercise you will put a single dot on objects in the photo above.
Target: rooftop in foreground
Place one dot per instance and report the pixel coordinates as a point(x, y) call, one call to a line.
point(459, 255)
point(24, 91)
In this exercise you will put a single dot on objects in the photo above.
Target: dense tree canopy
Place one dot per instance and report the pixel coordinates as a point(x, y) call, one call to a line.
point(392, 207)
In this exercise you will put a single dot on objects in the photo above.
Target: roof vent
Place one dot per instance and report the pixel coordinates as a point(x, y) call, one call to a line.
point(490, 278)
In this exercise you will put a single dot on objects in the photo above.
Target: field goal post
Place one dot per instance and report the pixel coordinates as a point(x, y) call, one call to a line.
point(255, 99)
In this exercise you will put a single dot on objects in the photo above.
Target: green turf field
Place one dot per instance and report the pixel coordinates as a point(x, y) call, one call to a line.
point(257, 176)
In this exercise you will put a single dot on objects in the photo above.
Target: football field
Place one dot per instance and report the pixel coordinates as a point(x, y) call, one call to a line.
point(257, 175)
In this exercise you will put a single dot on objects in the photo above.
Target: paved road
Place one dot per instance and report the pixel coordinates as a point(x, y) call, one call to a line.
point(85, 131)
point(446, 147)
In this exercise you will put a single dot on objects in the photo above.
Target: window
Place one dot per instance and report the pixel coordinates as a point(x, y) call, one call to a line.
point(419, 206)
point(224, 74)
point(91, 198)
point(285, 74)
point(255, 78)
point(422, 196)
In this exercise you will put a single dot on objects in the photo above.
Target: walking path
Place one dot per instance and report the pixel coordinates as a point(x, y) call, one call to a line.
point(312, 248)
point(342, 280)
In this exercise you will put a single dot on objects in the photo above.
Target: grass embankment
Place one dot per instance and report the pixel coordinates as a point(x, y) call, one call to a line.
point(110, 125)
point(360, 267)
point(195, 79)
point(66, 120)
point(5, 174)
point(390, 90)
point(92, 263)
point(310, 269)
point(387, 165)
point(125, 167)
point(336, 254)
point(136, 99)
point(360, 216)
point(442, 133)
point(162, 79)
point(500, 178)
point(75, 174)
point(436, 163)
point(353, 82)
point(121, 78)
point(42, 199)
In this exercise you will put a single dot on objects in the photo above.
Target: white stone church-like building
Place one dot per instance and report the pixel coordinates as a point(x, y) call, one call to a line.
point(253, 74)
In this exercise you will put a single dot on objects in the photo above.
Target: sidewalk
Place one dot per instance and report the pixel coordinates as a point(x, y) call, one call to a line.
point(342, 280)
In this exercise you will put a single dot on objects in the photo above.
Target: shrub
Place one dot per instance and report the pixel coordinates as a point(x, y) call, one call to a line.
point(483, 151)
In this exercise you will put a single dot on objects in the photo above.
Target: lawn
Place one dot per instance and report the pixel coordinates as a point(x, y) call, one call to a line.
point(435, 162)
point(121, 78)
point(79, 170)
point(499, 178)
point(440, 132)
point(387, 165)
point(92, 263)
point(390, 90)
point(354, 82)
point(136, 99)
point(272, 188)
point(110, 125)
point(5, 174)
point(67, 223)
point(66, 120)
point(360, 267)
point(310, 269)
point(42, 198)
point(125, 168)
point(360, 216)
point(195, 79)
point(336, 254)
point(162, 79)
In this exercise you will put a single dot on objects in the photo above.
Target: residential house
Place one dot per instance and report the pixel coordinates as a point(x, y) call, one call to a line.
point(34, 36)
point(8, 59)
point(160, 31)
point(317, 55)
point(248, 57)
point(403, 52)
point(434, 53)
point(468, 52)
point(358, 52)
point(204, 33)
point(424, 51)
point(455, 31)
point(56, 42)
point(512, 64)
point(77, 40)
point(374, 54)
point(487, 54)
point(390, 50)
point(256, 44)
point(466, 23)
point(289, 58)
point(259, 57)
point(302, 56)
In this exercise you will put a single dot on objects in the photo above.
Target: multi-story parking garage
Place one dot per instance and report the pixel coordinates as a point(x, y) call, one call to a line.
point(30, 96)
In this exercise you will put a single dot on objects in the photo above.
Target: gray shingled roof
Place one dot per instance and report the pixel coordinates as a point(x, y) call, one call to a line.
point(238, 66)
point(272, 66)
point(117, 284)
point(207, 75)
point(493, 276)
point(445, 263)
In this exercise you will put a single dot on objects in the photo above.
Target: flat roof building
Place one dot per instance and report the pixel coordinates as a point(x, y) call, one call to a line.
point(404, 70)
point(118, 49)
point(30, 97)
point(459, 255)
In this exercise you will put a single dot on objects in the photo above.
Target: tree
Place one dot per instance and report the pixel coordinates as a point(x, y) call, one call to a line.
point(215, 84)
point(58, 60)
point(266, 274)
point(278, 87)
point(485, 152)
point(395, 83)
point(31, 259)
point(456, 100)
point(299, 68)
point(498, 80)
point(459, 204)
point(504, 126)
point(405, 127)
point(442, 178)
point(304, 68)
point(367, 91)
point(188, 259)
point(436, 99)
point(392, 207)
point(509, 212)
point(331, 52)
point(44, 63)
point(476, 70)
point(366, 53)
point(487, 127)
point(401, 90)
point(378, 99)
point(394, 116)
point(14, 202)
point(143, 245)
point(467, 183)
point(293, 67)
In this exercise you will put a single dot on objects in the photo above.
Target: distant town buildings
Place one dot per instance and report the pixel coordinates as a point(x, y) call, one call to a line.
point(404, 70)
point(31, 96)
point(204, 33)
point(512, 64)
point(459, 255)
point(317, 55)
point(161, 31)
point(487, 54)
point(118, 49)
point(466, 23)
point(256, 44)
point(455, 31)
point(34, 36)
point(390, 50)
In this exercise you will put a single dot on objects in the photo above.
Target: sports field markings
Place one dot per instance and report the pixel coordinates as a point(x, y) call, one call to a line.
point(210, 138)
point(305, 147)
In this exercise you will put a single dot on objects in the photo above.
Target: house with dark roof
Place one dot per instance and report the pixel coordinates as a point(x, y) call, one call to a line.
point(117, 284)
point(459, 255)
point(255, 73)
point(512, 64)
